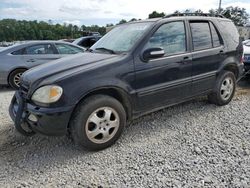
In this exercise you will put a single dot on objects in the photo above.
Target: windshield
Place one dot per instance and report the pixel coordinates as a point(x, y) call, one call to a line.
point(122, 38)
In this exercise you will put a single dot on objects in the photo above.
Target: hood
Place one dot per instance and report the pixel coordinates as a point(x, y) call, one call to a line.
point(65, 66)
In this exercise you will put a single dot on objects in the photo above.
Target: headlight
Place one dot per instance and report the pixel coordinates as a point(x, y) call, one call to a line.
point(47, 94)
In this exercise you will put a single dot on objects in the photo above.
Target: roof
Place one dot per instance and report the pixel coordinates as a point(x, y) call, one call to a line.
point(181, 16)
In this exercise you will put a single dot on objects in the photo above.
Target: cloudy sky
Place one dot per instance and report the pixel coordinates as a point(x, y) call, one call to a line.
point(101, 12)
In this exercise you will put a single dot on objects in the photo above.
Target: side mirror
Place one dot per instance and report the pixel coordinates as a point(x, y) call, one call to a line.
point(152, 53)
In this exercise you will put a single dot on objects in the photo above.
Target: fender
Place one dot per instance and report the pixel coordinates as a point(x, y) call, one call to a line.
point(231, 63)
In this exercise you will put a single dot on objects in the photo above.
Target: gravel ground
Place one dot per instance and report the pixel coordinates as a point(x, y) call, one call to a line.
point(194, 144)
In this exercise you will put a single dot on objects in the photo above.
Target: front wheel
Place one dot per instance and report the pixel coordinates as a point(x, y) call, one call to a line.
point(97, 122)
point(224, 89)
point(14, 78)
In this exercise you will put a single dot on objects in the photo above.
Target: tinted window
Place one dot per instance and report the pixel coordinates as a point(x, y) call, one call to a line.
point(232, 30)
point(67, 49)
point(18, 52)
point(39, 49)
point(215, 36)
point(171, 37)
point(201, 35)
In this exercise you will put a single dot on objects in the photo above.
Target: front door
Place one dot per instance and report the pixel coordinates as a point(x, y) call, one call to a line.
point(165, 80)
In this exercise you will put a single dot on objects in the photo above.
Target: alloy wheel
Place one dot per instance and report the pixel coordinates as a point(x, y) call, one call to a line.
point(102, 125)
point(227, 88)
point(17, 78)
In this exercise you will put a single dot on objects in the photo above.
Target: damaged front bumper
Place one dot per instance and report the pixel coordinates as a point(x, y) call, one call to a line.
point(30, 119)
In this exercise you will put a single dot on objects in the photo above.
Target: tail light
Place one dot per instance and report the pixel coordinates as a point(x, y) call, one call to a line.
point(242, 59)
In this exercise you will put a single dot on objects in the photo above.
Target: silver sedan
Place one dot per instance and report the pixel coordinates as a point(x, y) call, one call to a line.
point(17, 59)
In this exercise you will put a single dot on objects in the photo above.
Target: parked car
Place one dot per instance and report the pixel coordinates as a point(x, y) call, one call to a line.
point(134, 69)
point(15, 60)
point(67, 40)
point(246, 57)
point(87, 41)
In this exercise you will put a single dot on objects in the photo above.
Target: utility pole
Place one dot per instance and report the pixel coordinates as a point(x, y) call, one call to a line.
point(219, 7)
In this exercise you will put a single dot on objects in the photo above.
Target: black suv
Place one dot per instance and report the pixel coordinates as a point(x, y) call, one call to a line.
point(134, 69)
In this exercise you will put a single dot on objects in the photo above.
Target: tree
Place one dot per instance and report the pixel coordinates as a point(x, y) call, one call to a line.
point(238, 15)
point(12, 30)
point(132, 20)
point(122, 22)
point(156, 14)
point(109, 25)
point(198, 11)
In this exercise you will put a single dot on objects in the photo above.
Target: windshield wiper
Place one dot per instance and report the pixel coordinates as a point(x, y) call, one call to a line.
point(106, 49)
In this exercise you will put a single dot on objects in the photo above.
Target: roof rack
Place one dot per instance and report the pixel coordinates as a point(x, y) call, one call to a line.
point(194, 14)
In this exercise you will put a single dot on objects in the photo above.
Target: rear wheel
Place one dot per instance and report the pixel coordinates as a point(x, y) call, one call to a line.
point(14, 78)
point(97, 122)
point(224, 89)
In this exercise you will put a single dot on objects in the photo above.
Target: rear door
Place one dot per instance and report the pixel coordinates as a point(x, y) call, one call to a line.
point(38, 54)
point(165, 80)
point(208, 52)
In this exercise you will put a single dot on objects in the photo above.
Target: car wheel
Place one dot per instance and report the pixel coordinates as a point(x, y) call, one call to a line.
point(224, 89)
point(97, 122)
point(14, 78)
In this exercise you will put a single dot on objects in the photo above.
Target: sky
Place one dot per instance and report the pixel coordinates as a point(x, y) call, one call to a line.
point(102, 12)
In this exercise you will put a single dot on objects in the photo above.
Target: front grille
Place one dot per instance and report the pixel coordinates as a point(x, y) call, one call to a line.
point(24, 90)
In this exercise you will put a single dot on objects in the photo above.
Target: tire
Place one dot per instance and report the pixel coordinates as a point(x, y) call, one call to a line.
point(14, 78)
point(224, 89)
point(97, 122)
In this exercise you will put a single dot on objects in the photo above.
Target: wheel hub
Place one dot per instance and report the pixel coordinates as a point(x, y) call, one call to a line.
point(102, 125)
point(227, 88)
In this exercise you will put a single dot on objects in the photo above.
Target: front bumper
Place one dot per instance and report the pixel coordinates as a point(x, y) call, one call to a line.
point(49, 121)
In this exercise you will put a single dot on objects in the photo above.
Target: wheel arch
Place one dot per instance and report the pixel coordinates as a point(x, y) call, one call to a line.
point(232, 67)
point(115, 92)
point(16, 68)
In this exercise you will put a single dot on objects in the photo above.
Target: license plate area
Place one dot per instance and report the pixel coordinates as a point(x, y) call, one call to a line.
point(247, 58)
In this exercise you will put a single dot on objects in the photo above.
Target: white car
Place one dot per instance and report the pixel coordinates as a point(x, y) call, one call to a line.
point(246, 60)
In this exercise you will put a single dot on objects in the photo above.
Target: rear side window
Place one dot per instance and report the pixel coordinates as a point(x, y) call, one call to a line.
point(215, 36)
point(231, 31)
point(201, 35)
point(39, 49)
point(18, 52)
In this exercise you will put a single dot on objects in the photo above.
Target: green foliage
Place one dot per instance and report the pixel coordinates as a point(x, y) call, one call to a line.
point(122, 22)
point(14, 30)
point(156, 14)
point(238, 15)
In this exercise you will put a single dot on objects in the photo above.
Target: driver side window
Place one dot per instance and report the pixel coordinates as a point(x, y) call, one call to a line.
point(171, 37)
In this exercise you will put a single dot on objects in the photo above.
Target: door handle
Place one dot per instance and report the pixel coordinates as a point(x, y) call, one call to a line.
point(31, 60)
point(185, 60)
point(221, 52)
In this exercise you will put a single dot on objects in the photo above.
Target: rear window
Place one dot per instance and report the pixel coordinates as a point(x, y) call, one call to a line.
point(201, 35)
point(18, 52)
